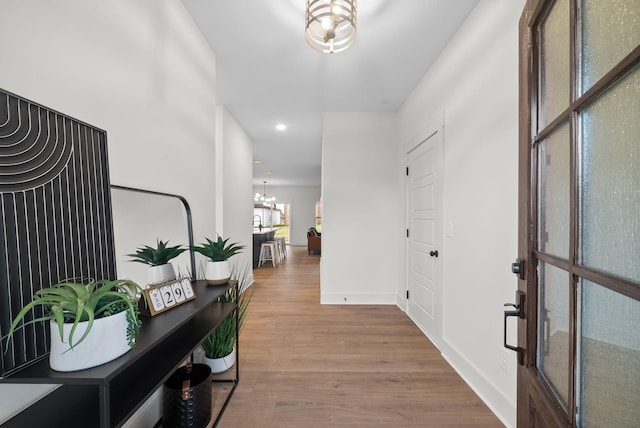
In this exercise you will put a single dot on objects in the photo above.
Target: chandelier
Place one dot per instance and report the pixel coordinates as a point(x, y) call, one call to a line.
point(330, 24)
point(266, 200)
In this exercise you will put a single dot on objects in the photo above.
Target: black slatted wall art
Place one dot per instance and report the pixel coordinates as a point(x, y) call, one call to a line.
point(55, 204)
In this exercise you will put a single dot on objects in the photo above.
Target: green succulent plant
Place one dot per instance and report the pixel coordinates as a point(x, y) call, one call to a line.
point(220, 343)
point(74, 302)
point(157, 256)
point(218, 251)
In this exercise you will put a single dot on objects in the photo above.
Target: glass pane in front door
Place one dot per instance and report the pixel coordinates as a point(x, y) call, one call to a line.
point(609, 358)
point(553, 188)
point(610, 30)
point(554, 67)
point(553, 328)
point(582, 227)
point(610, 180)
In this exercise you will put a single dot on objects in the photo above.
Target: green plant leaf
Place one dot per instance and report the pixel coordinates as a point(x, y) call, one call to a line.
point(221, 341)
point(218, 251)
point(157, 256)
point(74, 302)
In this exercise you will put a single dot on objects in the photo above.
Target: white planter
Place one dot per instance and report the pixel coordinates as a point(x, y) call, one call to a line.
point(162, 273)
point(217, 273)
point(219, 365)
point(106, 341)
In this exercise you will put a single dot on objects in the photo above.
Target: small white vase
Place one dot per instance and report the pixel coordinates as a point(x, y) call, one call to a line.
point(161, 273)
point(217, 273)
point(106, 341)
point(219, 365)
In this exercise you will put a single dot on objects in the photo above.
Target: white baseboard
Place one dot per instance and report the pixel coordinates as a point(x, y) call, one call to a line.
point(148, 414)
point(358, 299)
point(501, 405)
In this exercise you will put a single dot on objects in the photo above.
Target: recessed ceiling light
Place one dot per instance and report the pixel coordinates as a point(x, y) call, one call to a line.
point(257, 161)
point(281, 127)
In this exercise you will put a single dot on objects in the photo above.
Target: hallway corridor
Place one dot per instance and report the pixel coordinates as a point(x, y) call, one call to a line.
point(303, 364)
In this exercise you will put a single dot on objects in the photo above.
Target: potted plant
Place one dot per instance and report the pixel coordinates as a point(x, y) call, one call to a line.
point(158, 258)
point(92, 322)
point(219, 346)
point(218, 252)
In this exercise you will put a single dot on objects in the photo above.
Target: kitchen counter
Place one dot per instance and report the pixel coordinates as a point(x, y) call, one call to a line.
point(264, 230)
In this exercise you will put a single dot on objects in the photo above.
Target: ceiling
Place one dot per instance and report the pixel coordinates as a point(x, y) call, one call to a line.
point(267, 74)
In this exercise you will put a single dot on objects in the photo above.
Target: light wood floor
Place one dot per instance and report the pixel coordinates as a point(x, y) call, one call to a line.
point(303, 364)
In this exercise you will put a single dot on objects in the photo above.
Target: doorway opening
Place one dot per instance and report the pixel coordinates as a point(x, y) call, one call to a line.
point(319, 216)
point(281, 220)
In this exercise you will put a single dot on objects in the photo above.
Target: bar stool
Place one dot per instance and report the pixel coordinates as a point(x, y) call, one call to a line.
point(279, 255)
point(282, 246)
point(268, 251)
point(278, 252)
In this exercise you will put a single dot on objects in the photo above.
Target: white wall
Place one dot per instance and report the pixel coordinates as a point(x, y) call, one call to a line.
point(139, 70)
point(362, 208)
point(237, 171)
point(474, 81)
point(302, 200)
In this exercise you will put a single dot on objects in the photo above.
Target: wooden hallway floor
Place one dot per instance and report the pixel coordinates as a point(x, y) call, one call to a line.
point(303, 364)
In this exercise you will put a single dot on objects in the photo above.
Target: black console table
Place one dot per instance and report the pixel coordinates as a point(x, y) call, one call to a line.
point(108, 395)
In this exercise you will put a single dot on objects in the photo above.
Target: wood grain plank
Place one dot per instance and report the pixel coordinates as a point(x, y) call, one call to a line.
point(303, 364)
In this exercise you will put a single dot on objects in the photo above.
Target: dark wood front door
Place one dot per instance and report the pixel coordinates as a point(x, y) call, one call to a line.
point(579, 214)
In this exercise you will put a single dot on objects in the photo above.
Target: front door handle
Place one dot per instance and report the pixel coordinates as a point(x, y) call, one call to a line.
point(519, 312)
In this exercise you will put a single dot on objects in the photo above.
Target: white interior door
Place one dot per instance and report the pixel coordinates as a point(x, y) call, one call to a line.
point(424, 304)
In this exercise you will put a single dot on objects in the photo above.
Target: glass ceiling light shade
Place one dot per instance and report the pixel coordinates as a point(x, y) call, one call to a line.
point(266, 200)
point(331, 24)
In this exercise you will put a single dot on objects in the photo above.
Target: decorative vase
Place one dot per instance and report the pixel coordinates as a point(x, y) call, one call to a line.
point(217, 273)
point(161, 273)
point(106, 341)
point(219, 365)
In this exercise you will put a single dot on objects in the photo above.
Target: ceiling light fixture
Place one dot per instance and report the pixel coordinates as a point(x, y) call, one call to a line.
point(330, 24)
point(266, 200)
point(281, 127)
